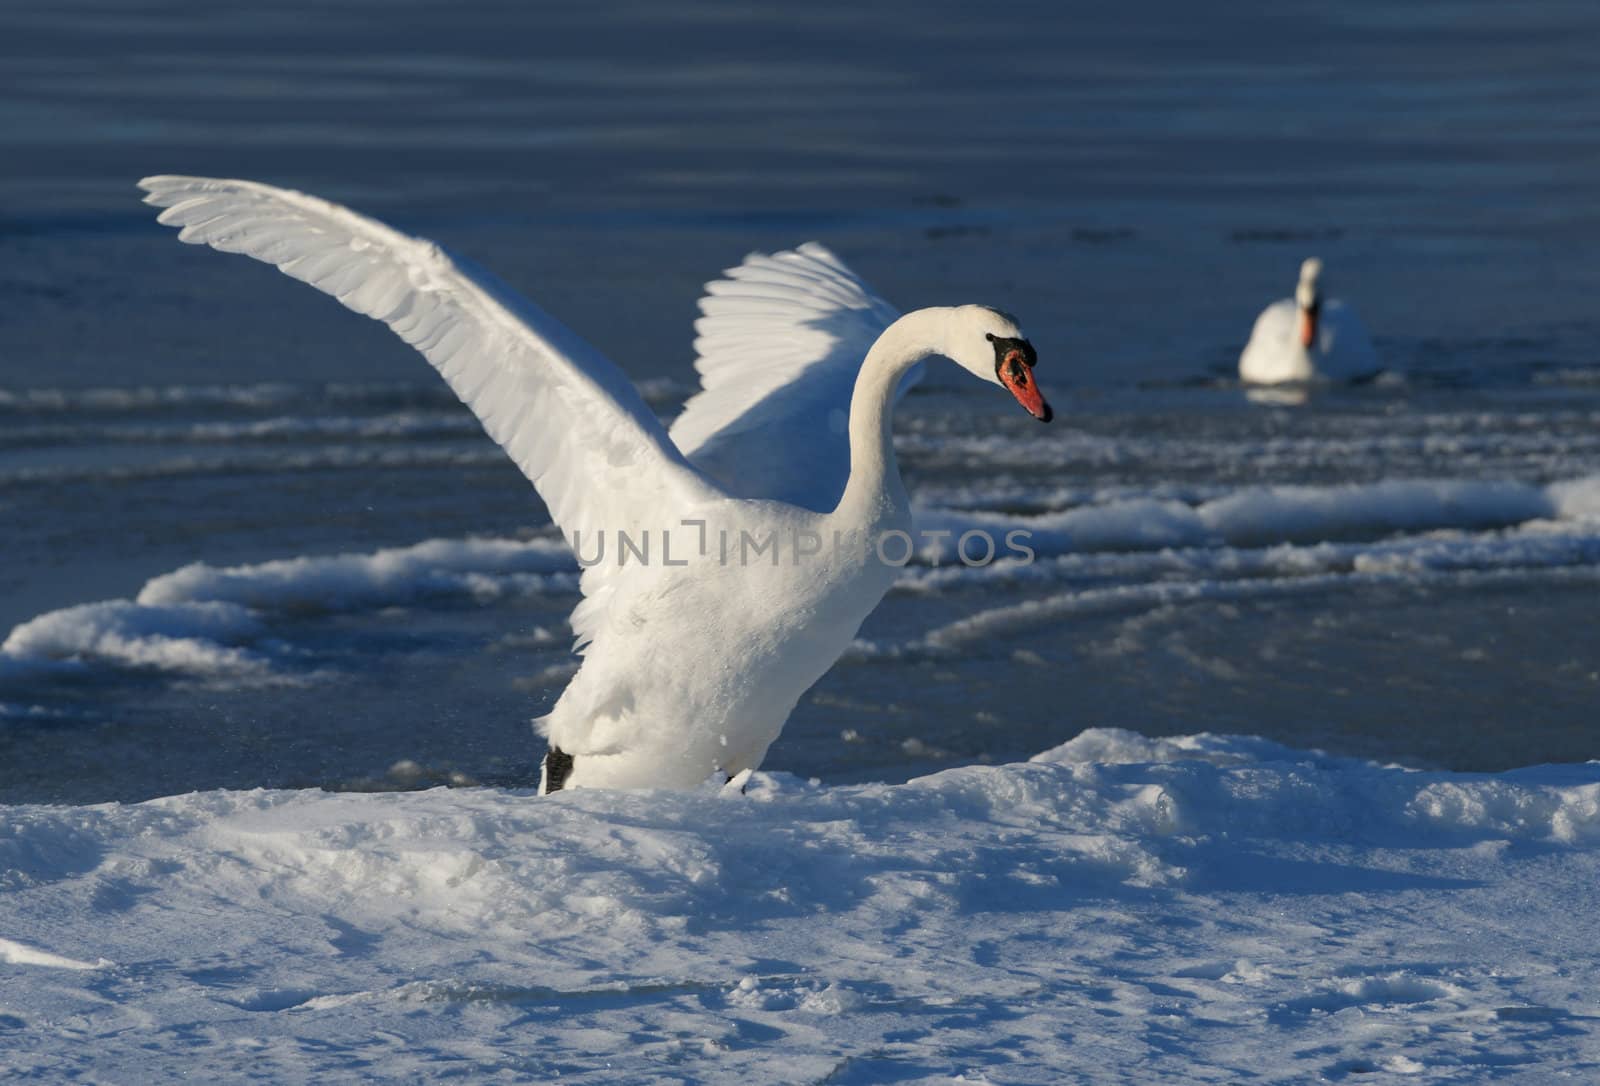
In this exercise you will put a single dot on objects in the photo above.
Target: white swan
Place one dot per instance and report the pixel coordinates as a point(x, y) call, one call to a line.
point(726, 570)
point(1307, 338)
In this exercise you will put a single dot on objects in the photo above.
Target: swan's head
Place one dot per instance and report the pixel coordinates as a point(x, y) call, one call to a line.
point(1308, 296)
point(988, 343)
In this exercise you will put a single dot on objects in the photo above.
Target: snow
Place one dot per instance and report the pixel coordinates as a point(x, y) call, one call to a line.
point(476, 568)
point(202, 620)
point(184, 637)
point(1257, 541)
point(1189, 909)
point(1252, 516)
point(16, 954)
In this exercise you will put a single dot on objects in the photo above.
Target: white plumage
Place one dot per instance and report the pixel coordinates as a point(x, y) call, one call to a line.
point(697, 640)
point(1307, 338)
point(778, 346)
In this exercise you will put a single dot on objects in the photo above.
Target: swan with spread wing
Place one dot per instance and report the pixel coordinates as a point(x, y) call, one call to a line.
point(727, 564)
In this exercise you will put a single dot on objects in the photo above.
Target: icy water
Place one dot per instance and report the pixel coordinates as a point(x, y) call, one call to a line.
point(1406, 570)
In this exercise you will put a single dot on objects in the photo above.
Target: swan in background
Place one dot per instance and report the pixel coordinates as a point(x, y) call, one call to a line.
point(1307, 338)
point(697, 640)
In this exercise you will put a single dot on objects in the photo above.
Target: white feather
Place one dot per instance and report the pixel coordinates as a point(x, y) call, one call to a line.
point(693, 663)
point(1340, 351)
point(780, 343)
point(569, 419)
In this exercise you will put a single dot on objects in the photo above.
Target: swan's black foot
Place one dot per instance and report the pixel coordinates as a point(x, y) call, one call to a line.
point(721, 778)
point(557, 767)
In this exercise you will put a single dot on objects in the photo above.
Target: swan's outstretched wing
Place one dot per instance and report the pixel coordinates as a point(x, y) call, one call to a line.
point(780, 343)
point(567, 417)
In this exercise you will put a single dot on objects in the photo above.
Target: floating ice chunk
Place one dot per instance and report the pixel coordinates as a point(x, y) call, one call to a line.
point(480, 568)
point(1577, 499)
point(195, 638)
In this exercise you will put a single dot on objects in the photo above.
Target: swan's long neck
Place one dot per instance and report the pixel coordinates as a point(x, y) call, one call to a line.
point(874, 492)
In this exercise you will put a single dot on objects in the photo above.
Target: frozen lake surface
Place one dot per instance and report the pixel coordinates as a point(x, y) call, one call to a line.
point(251, 542)
point(349, 587)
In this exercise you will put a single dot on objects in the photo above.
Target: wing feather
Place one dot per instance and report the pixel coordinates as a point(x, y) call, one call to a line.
point(570, 420)
point(780, 341)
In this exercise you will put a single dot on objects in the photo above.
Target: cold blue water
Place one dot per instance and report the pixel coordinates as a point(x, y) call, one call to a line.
point(1407, 569)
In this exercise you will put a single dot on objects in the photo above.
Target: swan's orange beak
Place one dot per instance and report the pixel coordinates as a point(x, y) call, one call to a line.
point(1308, 326)
point(1016, 373)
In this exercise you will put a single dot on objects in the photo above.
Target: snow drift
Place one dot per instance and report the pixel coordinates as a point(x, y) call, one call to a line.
point(1195, 909)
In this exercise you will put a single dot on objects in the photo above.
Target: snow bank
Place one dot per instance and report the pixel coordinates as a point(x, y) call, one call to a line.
point(1577, 499)
point(1216, 784)
point(203, 619)
point(1271, 514)
point(1196, 909)
point(1256, 516)
point(479, 569)
point(209, 621)
point(201, 638)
